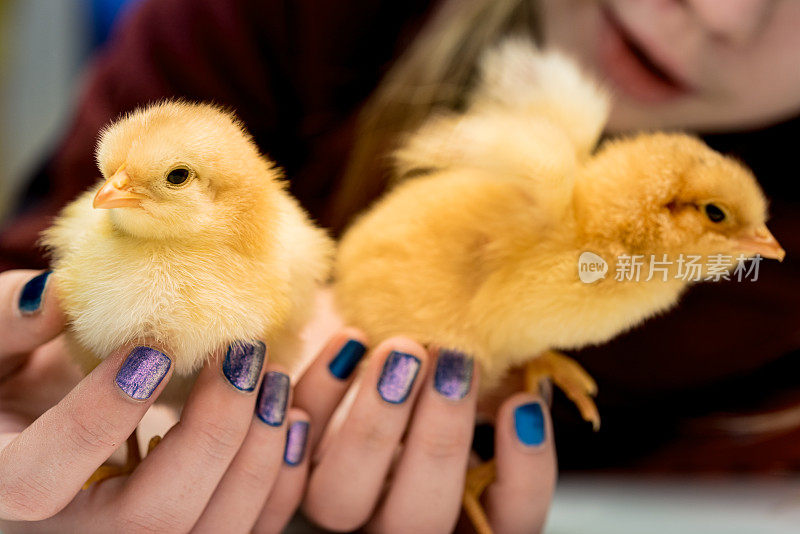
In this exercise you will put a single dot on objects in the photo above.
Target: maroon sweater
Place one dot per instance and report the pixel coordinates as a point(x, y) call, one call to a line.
point(297, 73)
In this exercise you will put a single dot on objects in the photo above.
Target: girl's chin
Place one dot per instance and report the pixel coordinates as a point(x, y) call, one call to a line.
point(629, 115)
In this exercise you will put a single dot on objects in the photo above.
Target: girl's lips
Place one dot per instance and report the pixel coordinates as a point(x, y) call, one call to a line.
point(630, 68)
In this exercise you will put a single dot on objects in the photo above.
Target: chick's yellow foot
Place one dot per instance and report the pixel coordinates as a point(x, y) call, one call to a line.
point(478, 478)
point(107, 471)
point(568, 375)
point(155, 440)
point(132, 461)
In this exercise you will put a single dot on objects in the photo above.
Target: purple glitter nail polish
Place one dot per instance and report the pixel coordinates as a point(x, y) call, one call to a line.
point(453, 376)
point(397, 377)
point(242, 365)
point(271, 406)
point(296, 443)
point(142, 372)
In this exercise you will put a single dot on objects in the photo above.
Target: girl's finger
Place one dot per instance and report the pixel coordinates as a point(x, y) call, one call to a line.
point(519, 498)
point(243, 490)
point(29, 315)
point(172, 486)
point(287, 491)
point(346, 484)
point(325, 382)
point(43, 468)
point(427, 488)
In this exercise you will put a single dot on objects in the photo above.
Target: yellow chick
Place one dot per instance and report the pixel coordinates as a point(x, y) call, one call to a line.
point(477, 249)
point(192, 242)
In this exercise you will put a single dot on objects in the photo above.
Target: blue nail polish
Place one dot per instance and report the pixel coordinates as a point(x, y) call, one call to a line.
point(272, 400)
point(30, 300)
point(142, 372)
point(296, 438)
point(397, 377)
point(346, 361)
point(529, 423)
point(453, 376)
point(242, 364)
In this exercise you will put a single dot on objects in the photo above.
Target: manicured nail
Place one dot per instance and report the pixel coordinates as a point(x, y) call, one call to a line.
point(296, 439)
point(529, 423)
point(271, 406)
point(453, 376)
point(346, 361)
point(30, 300)
point(397, 377)
point(243, 363)
point(142, 372)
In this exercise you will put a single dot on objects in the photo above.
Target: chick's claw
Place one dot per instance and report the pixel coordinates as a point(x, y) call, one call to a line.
point(132, 461)
point(568, 375)
point(478, 478)
point(106, 471)
point(155, 440)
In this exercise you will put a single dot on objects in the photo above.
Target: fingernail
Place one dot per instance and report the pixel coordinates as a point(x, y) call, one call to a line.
point(243, 363)
point(142, 372)
point(529, 423)
point(271, 406)
point(346, 361)
point(30, 300)
point(397, 377)
point(453, 376)
point(296, 439)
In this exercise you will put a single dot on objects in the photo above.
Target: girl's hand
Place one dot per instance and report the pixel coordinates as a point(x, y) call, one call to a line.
point(217, 470)
point(362, 477)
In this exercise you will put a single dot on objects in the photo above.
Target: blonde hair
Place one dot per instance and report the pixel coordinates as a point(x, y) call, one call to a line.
point(433, 73)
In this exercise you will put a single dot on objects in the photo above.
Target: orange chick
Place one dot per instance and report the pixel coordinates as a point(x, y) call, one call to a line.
point(477, 249)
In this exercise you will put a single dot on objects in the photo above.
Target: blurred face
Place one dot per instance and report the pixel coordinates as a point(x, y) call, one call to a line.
point(703, 65)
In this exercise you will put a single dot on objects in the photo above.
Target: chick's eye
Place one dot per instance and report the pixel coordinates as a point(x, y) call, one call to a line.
point(714, 213)
point(178, 176)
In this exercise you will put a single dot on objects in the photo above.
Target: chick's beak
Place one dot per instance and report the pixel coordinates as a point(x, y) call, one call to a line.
point(116, 193)
point(762, 242)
